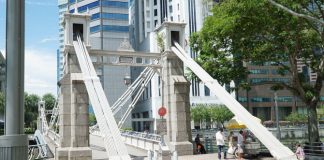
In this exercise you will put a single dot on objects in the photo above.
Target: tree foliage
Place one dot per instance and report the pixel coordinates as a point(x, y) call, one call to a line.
point(49, 100)
point(92, 119)
point(254, 31)
point(2, 103)
point(210, 113)
point(295, 117)
point(31, 110)
point(221, 114)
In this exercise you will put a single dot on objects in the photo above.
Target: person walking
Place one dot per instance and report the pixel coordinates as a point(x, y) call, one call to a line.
point(240, 144)
point(300, 152)
point(220, 140)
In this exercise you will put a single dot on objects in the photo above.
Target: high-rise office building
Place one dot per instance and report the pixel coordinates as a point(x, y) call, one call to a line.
point(62, 5)
point(109, 26)
point(145, 17)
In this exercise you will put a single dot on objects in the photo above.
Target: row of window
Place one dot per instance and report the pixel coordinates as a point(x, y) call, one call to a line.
point(261, 80)
point(266, 99)
point(113, 16)
point(105, 3)
point(109, 28)
point(265, 71)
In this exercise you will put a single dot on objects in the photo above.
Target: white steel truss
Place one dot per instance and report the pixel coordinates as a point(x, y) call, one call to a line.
point(276, 148)
point(55, 112)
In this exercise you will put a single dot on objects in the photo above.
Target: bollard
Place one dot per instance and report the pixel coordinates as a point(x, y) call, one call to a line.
point(150, 155)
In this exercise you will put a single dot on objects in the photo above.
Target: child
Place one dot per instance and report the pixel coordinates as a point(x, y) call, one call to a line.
point(300, 152)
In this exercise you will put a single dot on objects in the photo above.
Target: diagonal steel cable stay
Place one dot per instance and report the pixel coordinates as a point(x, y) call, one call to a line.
point(131, 90)
point(136, 89)
point(141, 89)
point(114, 145)
point(276, 148)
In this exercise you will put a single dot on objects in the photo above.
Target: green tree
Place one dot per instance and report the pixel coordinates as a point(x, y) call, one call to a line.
point(2, 103)
point(31, 110)
point(92, 119)
point(200, 113)
point(220, 114)
point(255, 31)
point(49, 100)
point(295, 117)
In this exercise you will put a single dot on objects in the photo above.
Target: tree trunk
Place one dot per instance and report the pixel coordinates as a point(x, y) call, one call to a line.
point(313, 134)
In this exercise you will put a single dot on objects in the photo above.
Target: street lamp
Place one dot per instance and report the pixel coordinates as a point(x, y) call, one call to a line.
point(127, 80)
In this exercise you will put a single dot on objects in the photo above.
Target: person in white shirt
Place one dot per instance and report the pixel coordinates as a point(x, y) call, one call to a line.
point(220, 140)
point(240, 144)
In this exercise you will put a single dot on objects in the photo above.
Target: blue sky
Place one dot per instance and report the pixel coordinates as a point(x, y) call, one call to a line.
point(41, 43)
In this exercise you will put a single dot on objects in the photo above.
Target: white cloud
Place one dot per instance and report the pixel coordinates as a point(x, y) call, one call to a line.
point(45, 40)
point(40, 72)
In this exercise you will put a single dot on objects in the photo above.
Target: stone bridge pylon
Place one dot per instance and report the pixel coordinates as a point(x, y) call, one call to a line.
point(80, 86)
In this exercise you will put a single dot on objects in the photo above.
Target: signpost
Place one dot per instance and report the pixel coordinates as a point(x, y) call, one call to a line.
point(162, 125)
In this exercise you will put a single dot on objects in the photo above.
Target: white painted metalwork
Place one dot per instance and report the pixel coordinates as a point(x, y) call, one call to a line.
point(140, 91)
point(122, 58)
point(114, 145)
point(55, 112)
point(130, 90)
point(43, 125)
point(276, 148)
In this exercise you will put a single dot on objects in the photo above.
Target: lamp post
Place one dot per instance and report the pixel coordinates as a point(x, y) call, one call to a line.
point(277, 116)
point(127, 80)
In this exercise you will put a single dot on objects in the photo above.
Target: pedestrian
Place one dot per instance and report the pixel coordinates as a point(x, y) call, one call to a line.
point(240, 145)
point(220, 140)
point(200, 148)
point(230, 143)
point(300, 152)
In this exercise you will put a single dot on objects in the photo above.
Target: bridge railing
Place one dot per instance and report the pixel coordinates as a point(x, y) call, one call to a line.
point(53, 136)
point(145, 141)
point(142, 135)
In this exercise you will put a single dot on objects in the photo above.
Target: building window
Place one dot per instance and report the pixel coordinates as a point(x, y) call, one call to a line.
point(260, 99)
point(259, 80)
point(71, 1)
point(95, 29)
point(115, 28)
point(155, 23)
point(114, 4)
point(88, 6)
point(95, 16)
point(171, 18)
point(284, 99)
point(155, 2)
point(207, 91)
point(322, 99)
point(170, 9)
point(242, 99)
point(155, 12)
point(259, 71)
point(115, 16)
point(285, 80)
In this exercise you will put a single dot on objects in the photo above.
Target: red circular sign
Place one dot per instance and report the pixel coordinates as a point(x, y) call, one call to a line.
point(162, 111)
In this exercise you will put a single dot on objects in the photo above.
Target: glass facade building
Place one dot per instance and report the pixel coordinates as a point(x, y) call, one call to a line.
point(109, 26)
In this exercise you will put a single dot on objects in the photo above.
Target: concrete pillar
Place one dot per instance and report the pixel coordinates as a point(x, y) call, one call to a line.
point(176, 99)
point(14, 145)
point(74, 116)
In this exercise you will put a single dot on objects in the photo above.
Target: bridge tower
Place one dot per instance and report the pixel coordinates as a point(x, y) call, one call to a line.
point(73, 126)
point(176, 90)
